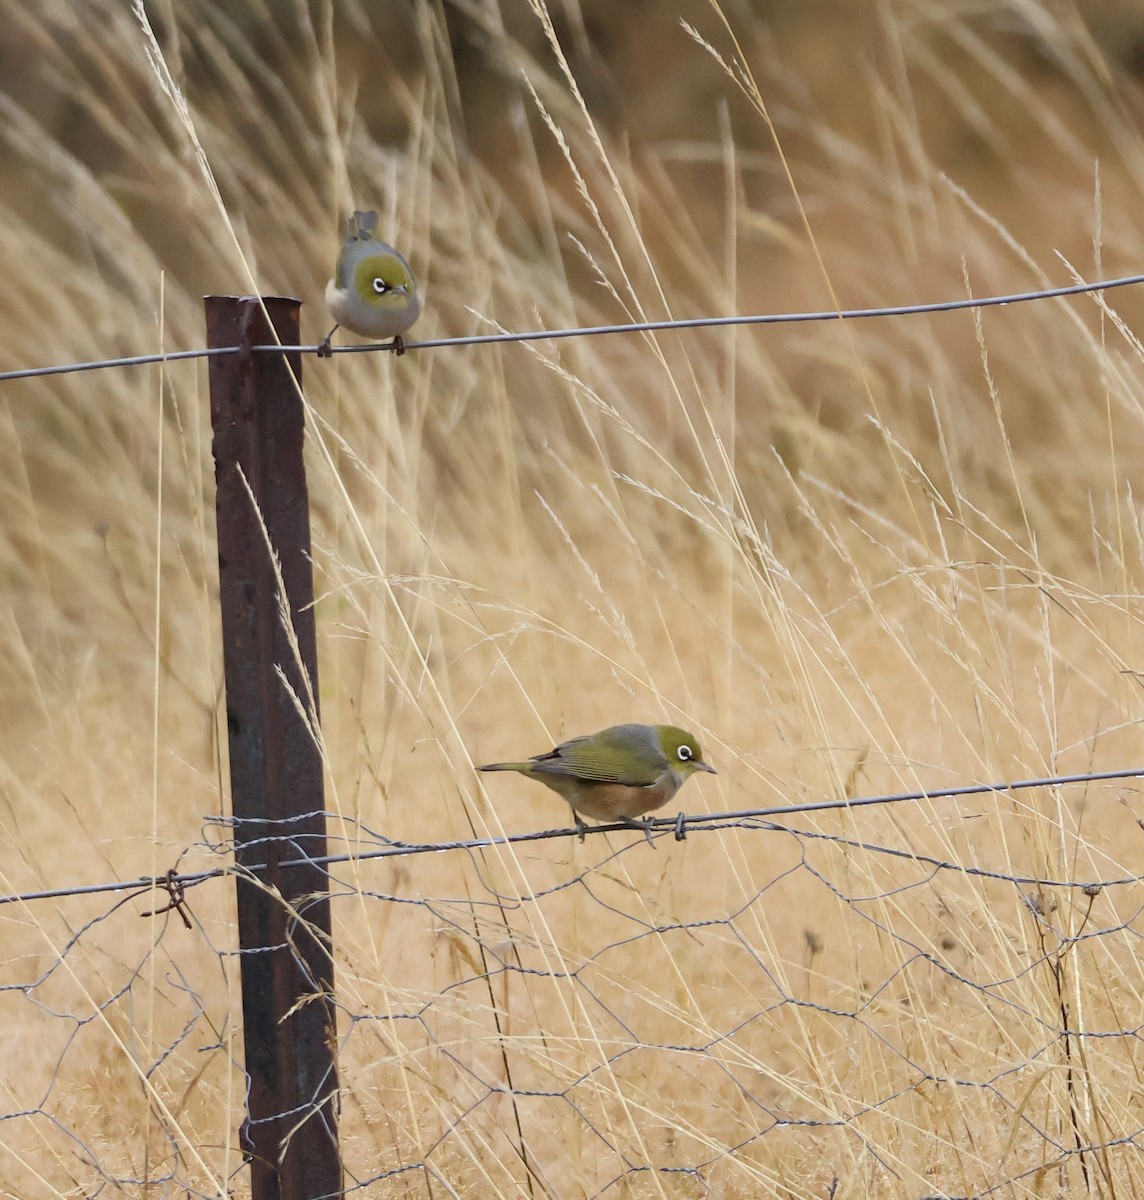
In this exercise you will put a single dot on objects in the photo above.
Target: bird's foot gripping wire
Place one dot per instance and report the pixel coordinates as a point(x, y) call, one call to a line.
point(645, 825)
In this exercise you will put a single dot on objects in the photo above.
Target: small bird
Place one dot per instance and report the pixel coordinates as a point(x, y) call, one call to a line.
point(373, 292)
point(617, 774)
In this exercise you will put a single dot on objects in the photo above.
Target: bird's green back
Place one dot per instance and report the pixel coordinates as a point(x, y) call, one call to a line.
point(625, 754)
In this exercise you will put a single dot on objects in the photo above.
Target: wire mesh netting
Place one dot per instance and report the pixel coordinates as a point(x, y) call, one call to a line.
point(760, 1008)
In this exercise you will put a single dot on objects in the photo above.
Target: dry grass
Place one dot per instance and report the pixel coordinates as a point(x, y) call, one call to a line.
point(885, 556)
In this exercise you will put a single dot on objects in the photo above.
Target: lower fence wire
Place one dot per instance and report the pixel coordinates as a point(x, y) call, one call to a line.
point(756, 1010)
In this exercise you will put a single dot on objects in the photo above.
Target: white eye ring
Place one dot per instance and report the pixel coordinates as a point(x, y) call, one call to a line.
point(379, 285)
point(684, 753)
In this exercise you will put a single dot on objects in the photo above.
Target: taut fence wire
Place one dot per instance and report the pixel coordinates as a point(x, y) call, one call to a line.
point(540, 335)
point(679, 826)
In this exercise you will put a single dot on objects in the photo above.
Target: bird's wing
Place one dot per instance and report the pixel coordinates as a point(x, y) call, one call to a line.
point(603, 759)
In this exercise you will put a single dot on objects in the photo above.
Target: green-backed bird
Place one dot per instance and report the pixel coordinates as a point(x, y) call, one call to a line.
point(373, 292)
point(617, 774)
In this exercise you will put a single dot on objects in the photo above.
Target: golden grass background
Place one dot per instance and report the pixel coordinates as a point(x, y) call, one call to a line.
point(854, 558)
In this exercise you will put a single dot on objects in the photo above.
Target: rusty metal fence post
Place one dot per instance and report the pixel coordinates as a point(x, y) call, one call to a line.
point(290, 1130)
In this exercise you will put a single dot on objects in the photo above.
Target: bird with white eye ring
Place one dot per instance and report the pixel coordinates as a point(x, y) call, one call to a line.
point(617, 774)
point(373, 292)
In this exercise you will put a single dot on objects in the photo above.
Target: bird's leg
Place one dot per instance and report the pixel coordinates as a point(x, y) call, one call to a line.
point(324, 348)
point(398, 345)
point(645, 825)
point(581, 827)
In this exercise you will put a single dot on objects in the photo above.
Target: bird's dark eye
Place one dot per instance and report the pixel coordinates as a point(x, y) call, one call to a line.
point(685, 752)
point(380, 286)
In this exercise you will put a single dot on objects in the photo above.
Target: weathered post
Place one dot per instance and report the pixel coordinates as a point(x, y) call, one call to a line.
point(290, 1131)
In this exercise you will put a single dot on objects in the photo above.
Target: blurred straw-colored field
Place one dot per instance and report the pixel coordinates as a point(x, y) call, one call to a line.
point(856, 558)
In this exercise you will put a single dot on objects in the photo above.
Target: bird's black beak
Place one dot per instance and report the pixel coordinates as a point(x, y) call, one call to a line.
point(706, 767)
